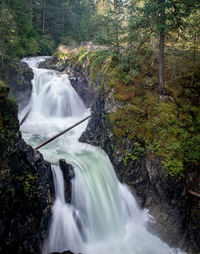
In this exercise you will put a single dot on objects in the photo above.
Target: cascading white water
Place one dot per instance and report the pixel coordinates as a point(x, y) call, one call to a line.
point(103, 216)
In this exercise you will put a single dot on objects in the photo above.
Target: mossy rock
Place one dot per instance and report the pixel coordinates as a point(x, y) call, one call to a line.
point(4, 91)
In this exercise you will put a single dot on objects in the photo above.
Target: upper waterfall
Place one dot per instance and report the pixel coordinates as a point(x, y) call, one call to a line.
point(53, 94)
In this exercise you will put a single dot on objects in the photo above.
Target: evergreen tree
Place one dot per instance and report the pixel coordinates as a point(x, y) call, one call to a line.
point(110, 31)
point(87, 10)
point(162, 25)
point(164, 17)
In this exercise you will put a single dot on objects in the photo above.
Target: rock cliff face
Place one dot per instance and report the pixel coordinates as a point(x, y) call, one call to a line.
point(25, 187)
point(146, 177)
point(82, 85)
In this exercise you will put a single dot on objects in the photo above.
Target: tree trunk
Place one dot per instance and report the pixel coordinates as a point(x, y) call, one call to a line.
point(63, 16)
point(130, 56)
point(43, 16)
point(117, 40)
point(195, 47)
point(2, 66)
point(2, 6)
point(161, 47)
point(61, 133)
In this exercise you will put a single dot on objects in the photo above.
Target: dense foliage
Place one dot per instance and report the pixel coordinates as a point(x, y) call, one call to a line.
point(29, 27)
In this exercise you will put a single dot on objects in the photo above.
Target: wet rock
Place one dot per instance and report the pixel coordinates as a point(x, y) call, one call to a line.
point(17, 76)
point(94, 133)
point(26, 189)
point(82, 86)
point(53, 63)
point(68, 174)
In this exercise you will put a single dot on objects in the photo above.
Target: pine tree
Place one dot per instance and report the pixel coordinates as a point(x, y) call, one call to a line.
point(110, 32)
point(162, 27)
point(163, 17)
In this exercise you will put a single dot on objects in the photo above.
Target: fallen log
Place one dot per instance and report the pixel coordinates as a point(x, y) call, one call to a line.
point(61, 133)
point(24, 118)
point(194, 193)
point(65, 252)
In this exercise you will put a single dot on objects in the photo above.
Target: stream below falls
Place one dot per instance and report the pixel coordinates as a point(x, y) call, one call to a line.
point(103, 216)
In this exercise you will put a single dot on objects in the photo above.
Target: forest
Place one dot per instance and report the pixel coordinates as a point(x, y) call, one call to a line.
point(127, 27)
point(136, 66)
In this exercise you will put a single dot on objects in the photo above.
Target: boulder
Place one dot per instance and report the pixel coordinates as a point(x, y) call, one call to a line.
point(54, 63)
point(68, 174)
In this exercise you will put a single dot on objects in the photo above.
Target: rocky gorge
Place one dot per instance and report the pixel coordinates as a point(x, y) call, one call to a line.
point(174, 210)
point(26, 179)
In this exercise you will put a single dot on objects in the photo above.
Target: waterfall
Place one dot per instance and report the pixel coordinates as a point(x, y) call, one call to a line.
point(103, 216)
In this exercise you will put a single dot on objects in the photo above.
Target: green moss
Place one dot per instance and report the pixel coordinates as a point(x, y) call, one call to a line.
point(175, 141)
point(137, 152)
point(1, 84)
point(100, 62)
point(28, 182)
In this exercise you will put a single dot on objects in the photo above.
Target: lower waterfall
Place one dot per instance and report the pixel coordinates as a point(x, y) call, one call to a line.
point(103, 216)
